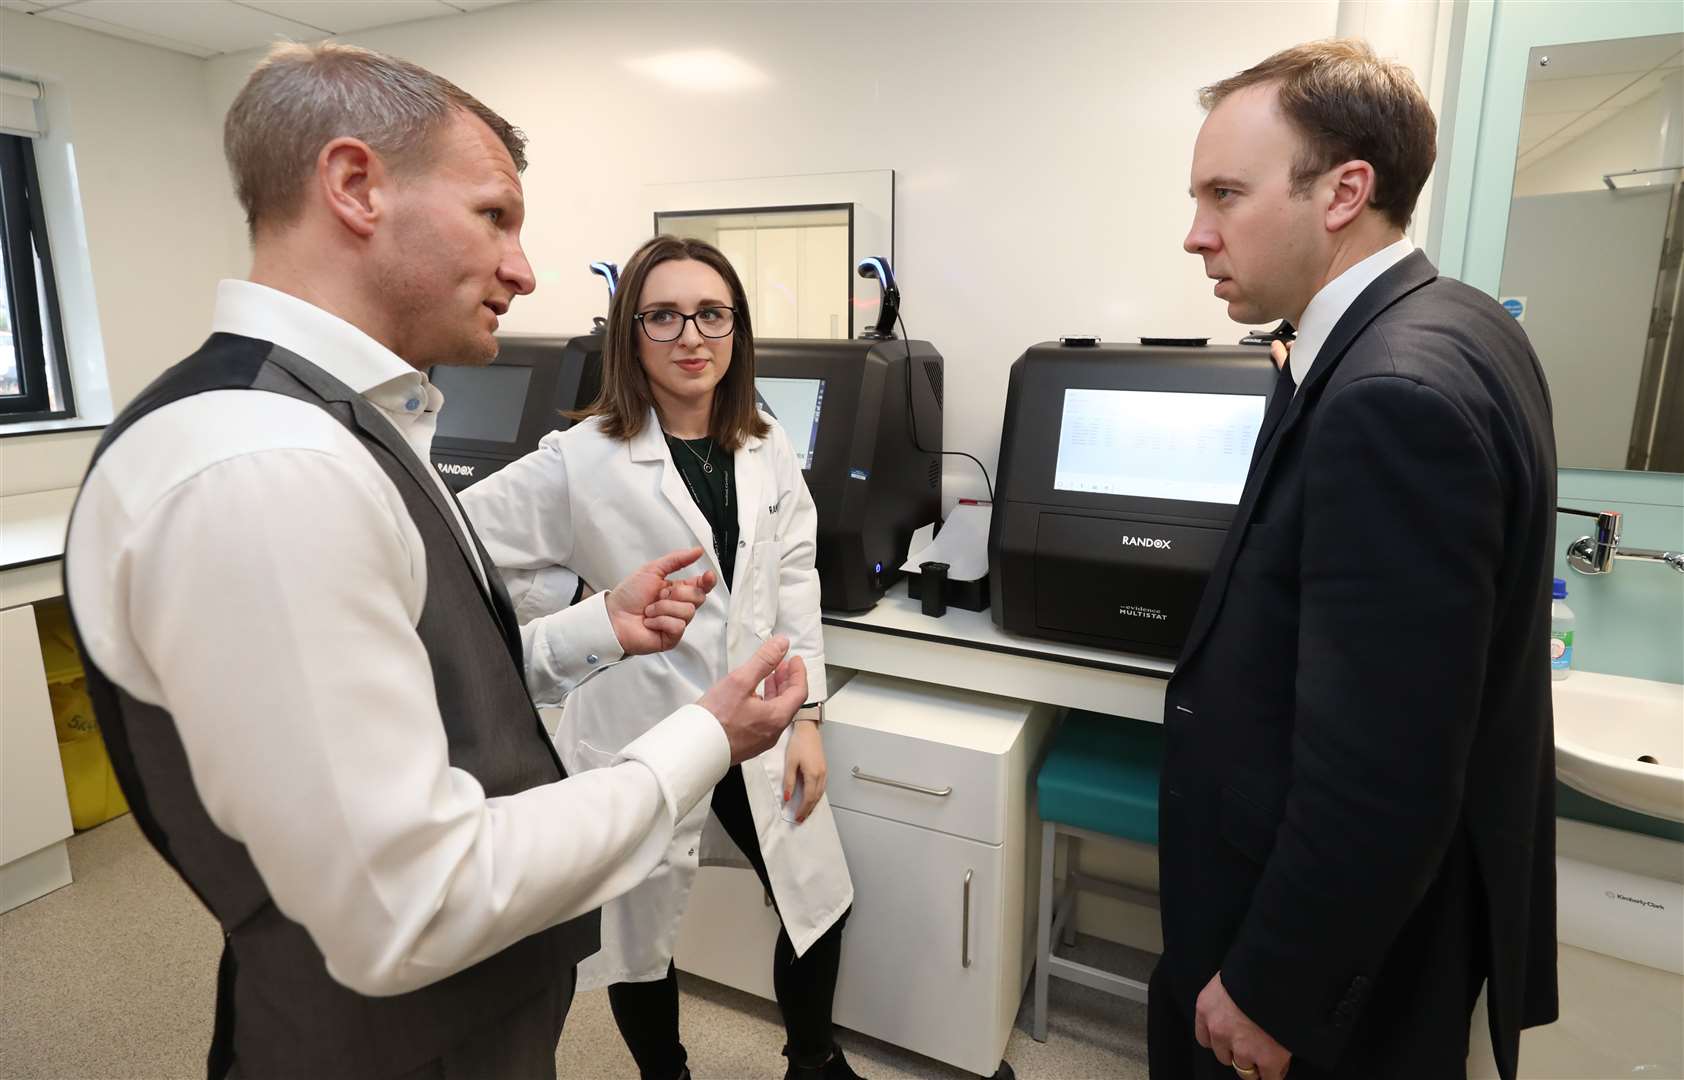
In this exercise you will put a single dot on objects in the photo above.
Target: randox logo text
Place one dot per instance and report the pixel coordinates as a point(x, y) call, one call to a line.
point(1147, 542)
point(456, 470)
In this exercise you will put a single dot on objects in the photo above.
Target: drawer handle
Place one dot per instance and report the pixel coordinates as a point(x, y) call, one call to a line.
point(965, 922)
point(940, 793)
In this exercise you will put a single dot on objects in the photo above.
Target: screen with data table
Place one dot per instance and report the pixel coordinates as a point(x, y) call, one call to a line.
point(795, 404)
point(1157, 445)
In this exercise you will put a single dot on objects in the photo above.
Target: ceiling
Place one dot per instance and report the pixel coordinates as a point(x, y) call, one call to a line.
point(1586, 84)
point(212, 27)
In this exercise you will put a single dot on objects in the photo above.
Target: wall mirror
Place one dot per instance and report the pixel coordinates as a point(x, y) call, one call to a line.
point(795, 263)
point(1591, 266)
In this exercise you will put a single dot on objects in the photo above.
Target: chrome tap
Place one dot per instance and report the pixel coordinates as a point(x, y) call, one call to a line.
point(1595, 554)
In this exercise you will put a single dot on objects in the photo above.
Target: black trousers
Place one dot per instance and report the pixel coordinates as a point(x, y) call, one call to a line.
point(647, 1012)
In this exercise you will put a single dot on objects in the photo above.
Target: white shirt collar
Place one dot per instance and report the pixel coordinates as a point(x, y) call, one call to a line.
point(327, 341)
point(1329, 305)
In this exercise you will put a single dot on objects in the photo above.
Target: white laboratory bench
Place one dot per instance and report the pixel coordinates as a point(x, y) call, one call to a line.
point(965, 650)
point(34, 811)
point(933, 739)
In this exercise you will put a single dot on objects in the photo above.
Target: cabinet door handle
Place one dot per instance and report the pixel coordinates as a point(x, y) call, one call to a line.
point(940, 793)
point(965, 932)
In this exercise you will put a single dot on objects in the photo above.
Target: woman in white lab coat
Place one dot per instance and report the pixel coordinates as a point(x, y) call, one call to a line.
point(675, 454)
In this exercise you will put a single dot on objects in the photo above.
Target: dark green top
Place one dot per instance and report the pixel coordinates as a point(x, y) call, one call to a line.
point(715, 493)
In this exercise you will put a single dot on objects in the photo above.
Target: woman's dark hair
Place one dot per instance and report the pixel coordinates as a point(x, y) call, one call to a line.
point(625, 399)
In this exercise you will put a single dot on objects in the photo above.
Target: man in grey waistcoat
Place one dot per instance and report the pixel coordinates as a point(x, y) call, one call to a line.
point(312, 684)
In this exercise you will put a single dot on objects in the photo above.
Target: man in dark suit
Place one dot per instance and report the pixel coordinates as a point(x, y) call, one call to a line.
point(1357, 812)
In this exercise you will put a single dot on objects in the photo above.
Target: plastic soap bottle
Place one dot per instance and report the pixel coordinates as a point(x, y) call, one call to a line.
point(1561, 633)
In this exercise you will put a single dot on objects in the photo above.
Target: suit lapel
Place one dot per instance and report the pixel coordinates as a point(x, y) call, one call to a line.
point(1408, 275)
point(1280, 402)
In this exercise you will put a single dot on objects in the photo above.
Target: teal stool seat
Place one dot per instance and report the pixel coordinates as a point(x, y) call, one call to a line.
point(1102, 775)
point(1099, 781)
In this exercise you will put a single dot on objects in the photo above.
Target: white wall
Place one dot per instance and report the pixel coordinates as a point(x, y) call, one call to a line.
point(1420, 35)
point(1630, 139)
point(148, 166)
point(1041, 151)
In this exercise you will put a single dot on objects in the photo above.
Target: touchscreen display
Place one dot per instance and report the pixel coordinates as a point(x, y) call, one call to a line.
point(1157, 445)
point(796, 403)
point(483, 403)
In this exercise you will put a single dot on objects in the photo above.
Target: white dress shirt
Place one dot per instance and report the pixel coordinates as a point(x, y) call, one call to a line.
point(1329, 305)
point(240, 559)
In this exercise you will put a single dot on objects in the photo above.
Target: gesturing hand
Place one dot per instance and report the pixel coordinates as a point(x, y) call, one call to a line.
point(752, 721)
point(650, 609)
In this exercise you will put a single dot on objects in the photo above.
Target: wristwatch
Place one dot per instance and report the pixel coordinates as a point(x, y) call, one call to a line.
point(813, 710)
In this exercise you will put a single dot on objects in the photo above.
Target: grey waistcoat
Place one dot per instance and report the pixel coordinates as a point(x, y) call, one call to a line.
point(278, 1011)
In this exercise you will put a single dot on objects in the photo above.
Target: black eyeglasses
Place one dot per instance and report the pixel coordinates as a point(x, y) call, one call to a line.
point(665, 324)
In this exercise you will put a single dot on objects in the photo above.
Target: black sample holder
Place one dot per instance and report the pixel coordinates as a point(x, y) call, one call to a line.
point(970, 595)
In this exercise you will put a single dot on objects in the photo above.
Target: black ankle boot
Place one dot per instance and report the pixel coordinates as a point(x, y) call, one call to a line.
point(835, 1067)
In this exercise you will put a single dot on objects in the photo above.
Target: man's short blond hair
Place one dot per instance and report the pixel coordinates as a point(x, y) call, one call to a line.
point(301, 97)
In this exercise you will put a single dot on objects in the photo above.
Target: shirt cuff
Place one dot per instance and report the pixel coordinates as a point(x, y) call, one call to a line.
point(580, 639)
point(688, 753)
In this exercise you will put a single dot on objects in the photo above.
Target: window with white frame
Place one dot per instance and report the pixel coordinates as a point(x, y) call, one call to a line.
point(34, 370)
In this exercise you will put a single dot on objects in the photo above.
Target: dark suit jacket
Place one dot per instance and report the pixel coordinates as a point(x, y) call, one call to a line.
point(1357, 806)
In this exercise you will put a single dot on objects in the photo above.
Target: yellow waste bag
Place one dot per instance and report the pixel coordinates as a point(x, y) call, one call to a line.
point(89, 783)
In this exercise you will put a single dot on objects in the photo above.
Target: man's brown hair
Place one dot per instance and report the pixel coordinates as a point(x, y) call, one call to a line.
point(301, 97)
point(626, 399)
point(1348, 104)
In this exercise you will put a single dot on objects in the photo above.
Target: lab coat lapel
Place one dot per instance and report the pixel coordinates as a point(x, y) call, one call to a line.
point(750, 467)
point(650, 446)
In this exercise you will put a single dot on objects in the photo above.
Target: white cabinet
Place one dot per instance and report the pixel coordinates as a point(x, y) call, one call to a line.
point(926, 959)
point(34, 813)
point(931, 790)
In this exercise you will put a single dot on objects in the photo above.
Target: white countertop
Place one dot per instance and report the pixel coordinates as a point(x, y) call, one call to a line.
point(900, 615)
point(32, 545)
point(964, 649)
point(32, 526)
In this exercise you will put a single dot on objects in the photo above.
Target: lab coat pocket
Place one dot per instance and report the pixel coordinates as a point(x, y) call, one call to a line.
point(764, 562)
point(772, 765)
